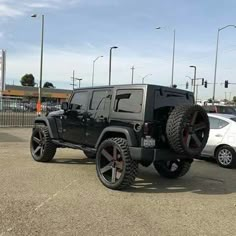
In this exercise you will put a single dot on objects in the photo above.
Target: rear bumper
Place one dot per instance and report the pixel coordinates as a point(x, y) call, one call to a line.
point(148, 155)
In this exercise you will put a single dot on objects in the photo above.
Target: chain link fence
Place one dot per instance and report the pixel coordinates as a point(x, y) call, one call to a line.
point(17, 113)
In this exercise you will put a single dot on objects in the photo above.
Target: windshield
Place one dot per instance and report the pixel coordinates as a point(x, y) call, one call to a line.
point(233, 118)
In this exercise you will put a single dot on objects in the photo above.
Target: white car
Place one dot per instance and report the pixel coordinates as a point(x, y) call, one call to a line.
point(221, 143)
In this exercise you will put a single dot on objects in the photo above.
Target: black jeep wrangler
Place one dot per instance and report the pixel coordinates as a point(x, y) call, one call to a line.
point(123, 126)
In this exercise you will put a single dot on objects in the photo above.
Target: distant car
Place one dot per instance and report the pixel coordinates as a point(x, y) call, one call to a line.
point(31, 106)
point(220, 109)
point(221, 143)
point(57, 107)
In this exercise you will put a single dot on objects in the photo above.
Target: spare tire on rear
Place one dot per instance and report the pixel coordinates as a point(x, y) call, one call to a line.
point(187, 129)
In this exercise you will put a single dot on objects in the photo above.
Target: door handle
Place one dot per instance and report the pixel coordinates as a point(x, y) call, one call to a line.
point(63, 117)
point(101, 118)
point(219, 135)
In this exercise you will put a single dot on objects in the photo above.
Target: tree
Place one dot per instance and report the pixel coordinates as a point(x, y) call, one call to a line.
point(234, 99)
point(48, 85)
point(27, 80)
point(209, 100)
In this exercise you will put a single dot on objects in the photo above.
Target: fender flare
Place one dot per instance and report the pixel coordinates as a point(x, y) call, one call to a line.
point(50, 123)
point(128, 132)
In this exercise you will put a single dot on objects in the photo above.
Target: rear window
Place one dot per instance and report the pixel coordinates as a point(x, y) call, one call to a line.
point(129, 101)
point(226, 110)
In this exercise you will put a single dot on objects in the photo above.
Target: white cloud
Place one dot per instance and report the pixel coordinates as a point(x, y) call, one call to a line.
point(16, 8)
point(38, 5)
point(9, 11)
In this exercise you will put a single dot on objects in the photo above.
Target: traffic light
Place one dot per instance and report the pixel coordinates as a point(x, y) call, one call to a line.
point(186, 85)
point(203, 81)
point(226, 83)
point(205, 84)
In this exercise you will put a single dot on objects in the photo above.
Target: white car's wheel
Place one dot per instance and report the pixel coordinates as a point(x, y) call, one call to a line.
point(226, 157)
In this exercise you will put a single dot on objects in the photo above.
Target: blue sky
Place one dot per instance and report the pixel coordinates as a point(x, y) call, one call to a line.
point(77, 31)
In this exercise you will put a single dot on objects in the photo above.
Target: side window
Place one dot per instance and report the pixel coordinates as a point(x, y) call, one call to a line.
point(79, 101)
point(217, 123)
point(129, 101)
point(99, 100)
point(222, 124)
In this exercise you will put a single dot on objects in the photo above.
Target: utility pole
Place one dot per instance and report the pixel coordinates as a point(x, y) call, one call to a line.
point(132, 77)
point(191, 82)
point(73, 80)
point(194, 80)
point(197, 85)
point(79, 81)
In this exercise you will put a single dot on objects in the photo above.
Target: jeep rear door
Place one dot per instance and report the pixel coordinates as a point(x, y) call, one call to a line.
point(98, 111)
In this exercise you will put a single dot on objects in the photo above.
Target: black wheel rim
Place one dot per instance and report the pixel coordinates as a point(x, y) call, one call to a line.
point(38, 143)
point(195, 131)
point(111, 164)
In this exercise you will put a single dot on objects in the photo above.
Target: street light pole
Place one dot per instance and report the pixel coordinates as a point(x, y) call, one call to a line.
point(115, 47)
point(173, 58)
point(94, 68)
point(132, 75)
point(194, 79)
point(145, 77)
point(41, 65)
point(173, 62)
point(216, 59)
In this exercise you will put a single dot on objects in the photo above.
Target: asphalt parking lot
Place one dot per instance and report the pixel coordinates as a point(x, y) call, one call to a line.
point(65, 197)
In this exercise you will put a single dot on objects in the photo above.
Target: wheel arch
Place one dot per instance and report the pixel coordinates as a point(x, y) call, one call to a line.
point(122, 132)
point(50, 123)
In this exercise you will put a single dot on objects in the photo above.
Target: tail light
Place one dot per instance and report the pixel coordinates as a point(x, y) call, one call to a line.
point(147, 140)
point(146, 128)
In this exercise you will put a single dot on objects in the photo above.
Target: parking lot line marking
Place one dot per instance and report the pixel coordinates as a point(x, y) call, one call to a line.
point(53, 196)
point(40, 205)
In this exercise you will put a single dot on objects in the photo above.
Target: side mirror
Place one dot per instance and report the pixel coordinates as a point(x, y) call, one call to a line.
point(65, 106)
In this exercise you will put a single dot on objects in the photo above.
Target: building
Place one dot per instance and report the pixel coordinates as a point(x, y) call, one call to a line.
point(31, 93)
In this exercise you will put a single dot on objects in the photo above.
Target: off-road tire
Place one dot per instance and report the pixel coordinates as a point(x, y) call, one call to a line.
point(130, 167)
point(48, 148)
point(90, 155)
point(187, 129)
point(164, 168)
point(230, 153)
